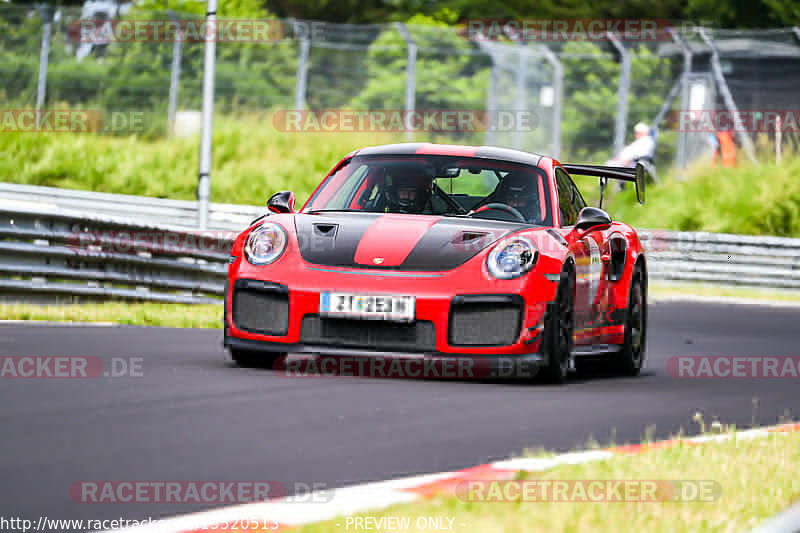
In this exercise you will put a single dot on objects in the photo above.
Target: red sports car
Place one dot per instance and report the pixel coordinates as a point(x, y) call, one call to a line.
point(433, 251)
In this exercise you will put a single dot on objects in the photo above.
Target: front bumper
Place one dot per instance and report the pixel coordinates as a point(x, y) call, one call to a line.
point(437, 295)
point(339, 362)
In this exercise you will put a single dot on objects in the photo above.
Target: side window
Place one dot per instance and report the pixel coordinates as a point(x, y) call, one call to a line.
point(566, 205)
point(577, 199)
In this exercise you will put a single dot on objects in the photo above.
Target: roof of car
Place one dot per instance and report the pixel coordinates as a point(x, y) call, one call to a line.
point(483, 152)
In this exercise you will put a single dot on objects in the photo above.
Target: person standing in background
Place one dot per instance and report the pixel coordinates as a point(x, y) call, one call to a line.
point(643, 148)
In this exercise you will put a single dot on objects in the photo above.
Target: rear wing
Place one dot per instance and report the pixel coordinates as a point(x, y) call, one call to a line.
point(636, 175)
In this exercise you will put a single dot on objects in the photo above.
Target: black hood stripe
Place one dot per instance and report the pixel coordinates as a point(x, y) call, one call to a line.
point(449, 242)
point(452, 242)
point(336, 247)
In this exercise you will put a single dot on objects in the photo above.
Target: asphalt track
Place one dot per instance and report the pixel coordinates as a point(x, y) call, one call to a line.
point(192, 416)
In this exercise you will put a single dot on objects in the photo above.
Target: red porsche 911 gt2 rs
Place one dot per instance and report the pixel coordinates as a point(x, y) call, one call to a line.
point(433, 251)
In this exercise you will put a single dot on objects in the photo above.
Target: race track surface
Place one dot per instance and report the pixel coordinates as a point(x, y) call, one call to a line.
point(192, 415)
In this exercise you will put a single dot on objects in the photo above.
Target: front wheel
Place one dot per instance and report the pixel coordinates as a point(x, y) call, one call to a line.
point(559, 330)
point(631, 358)
point(250, 359)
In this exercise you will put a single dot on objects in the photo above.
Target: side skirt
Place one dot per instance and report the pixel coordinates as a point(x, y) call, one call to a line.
point(595, 350)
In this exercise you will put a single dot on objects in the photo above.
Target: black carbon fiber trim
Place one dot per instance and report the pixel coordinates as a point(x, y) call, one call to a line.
point(481, 152)
point(419, 336)
point(447, 244)
point(334, 248)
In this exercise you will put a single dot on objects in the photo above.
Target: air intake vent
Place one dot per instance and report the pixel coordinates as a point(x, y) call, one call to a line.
point(325, 230)
point(260, 307)
point(419, 336)
point(485, 320)
point(472, 235)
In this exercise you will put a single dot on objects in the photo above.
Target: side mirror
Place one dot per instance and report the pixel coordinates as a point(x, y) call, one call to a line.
point(641, 179)
point(281, 202)
point(590, 217)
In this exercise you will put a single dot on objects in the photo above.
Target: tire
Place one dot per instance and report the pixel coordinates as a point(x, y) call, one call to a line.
point(630, 359)
point(248, 359)
point(559, 330)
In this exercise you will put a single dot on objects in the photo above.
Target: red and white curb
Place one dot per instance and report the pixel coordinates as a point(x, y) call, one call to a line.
point(289, 512)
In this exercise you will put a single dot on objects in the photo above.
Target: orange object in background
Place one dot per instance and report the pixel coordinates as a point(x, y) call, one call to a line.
point(727, 148)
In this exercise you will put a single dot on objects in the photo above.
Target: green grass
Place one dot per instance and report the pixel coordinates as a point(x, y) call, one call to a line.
point(251, 160)
point(756, 478)
point(762, 200)
point(667, 289)
point(140, 314)
point(210, 316)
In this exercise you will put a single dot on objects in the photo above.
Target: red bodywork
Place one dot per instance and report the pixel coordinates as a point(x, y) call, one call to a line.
point(600, 302)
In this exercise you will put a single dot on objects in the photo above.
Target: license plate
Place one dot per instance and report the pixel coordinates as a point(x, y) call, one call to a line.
point(375, 307)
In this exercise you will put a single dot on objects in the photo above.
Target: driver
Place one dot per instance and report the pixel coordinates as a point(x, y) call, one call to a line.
point(519, 190)
point(407, 190)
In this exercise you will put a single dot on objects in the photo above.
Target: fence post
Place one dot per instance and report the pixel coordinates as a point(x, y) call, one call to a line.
point(204, 173)
point(558, 94)
point(489, 136)
point(175, 75)
point(522, 75)
point(680, 152)
point(411, 77)
point(727, 97)
point(491, 104)
point(46, 13)
point(622, 92)
point(301, 77)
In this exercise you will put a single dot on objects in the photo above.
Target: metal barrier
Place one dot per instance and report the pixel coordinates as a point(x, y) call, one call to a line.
point(156, 211)
point(61, 255)
point(722, 258)
point(60, 244)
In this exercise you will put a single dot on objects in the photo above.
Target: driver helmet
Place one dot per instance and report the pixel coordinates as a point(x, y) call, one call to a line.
point(407, 189)
point(519, 190)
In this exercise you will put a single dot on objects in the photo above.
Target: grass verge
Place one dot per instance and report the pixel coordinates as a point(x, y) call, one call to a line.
point(251, 160)
point(747, 200)
point(664, 290)
point(140, 314)
point(754, 479)
point(210, 316)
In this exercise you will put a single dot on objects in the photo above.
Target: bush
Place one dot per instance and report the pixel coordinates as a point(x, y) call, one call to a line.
point(751, 200)
point(251, 160)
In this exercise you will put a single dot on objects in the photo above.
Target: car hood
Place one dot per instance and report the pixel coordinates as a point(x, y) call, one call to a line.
point(396, 241)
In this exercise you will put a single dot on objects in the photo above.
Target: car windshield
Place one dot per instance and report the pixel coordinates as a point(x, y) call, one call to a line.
point(437, 185)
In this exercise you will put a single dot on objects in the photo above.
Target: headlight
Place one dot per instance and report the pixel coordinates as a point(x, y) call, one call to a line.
point(265, 244)
point(511, 258)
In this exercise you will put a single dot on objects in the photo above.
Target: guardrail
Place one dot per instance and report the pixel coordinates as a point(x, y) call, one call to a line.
point(722, 258)
point(60, 244)
point(61, 254)
point(156, 211)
